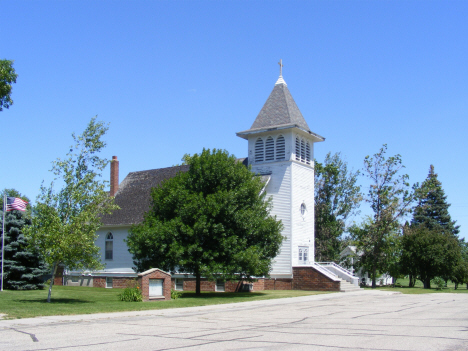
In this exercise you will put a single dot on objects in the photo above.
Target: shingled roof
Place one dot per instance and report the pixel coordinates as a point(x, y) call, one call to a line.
point(134, 194)
point(280, 109)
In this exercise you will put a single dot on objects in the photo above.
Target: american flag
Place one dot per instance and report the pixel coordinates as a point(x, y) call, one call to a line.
point(14, 203)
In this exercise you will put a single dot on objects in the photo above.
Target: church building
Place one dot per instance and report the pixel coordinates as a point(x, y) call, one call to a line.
point(280, 148)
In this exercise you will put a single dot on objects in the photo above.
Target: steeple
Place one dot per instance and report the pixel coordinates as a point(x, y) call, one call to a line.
point(279, 111)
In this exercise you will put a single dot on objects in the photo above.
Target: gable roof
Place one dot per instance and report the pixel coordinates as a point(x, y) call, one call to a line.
point(134, 194)
point(280, 109)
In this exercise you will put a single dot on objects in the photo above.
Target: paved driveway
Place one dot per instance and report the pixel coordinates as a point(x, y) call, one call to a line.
point(369, 320)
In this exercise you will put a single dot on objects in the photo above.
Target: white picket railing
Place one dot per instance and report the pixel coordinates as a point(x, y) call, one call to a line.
point(339, 271)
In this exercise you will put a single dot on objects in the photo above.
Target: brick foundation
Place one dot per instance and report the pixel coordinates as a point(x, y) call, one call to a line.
point(117, 282)
point(307, 278)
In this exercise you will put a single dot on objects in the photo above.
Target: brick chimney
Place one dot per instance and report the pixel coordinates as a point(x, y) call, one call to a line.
point(114, 176)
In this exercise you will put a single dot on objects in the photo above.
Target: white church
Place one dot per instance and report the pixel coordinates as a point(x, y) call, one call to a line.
point(281, 150)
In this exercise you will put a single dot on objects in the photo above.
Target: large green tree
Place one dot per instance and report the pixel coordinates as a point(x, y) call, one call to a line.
point(211, 221)
point(23, 268)
point(428, 253)
point(432, 207)
point(7, 78)
point(337, 196)
point(389, 197)
point(431, 234)
point(64, 224)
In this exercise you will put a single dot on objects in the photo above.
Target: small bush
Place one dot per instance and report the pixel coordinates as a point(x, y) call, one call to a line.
point(438, 282)
point(175, 294)
point(132, 293)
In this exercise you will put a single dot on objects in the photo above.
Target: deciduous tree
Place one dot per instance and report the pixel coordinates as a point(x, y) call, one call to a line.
point(7, 78)
point(337, 196)
point(211, 221)
point(64, 224)
point(389, 197)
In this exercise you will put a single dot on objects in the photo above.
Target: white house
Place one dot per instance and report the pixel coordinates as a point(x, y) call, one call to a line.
point(281, 149)
point(347, 259)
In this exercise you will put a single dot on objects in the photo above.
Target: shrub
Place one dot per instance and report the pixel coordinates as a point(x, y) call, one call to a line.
point(175, 294)
point(132, 293)
point(438, 282)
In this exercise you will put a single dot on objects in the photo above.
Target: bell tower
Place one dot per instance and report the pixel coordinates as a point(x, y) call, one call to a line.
point(281, 150)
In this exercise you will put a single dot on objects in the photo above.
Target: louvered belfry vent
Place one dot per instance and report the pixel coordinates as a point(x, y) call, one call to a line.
point(259, 150)
point(270, 149)
point(308, 153)
point(298, 150)
point(280, 148)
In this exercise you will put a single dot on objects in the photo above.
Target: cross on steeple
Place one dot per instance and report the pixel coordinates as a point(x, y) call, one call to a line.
point(281, 67)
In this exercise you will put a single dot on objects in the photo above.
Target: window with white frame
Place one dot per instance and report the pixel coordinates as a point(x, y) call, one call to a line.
point(303, 254)
point(270, 149)
point(280, 148)
point(259, 150)
point(109, 282)
point(109, 246)
point(75, 279)
point(179, 284)
point(220, 285)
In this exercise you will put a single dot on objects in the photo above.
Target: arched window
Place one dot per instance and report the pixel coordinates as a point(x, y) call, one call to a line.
point(280, 148)
point(302, 151)
point(308, 153)
point(298, 150)
point(269, 149)
point(109, 246)
point(259, 150)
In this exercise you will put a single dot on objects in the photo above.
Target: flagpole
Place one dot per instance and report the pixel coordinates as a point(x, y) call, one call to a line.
point(3, 233)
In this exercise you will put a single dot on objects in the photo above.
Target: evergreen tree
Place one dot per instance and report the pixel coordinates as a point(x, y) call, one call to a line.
point(23, 269)
point(432, 207)
point(431, 246)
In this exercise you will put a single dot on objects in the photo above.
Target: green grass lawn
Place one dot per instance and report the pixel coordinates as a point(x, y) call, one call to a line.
point(68, 300)
point(402, 286)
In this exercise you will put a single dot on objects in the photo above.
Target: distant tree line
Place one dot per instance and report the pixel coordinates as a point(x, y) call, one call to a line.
point(423, 247)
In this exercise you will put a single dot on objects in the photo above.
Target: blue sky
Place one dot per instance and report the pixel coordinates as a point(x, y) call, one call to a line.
point(173, 77)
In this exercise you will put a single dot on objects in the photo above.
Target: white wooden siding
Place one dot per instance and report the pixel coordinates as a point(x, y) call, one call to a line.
point(279, 190)
point(122, 259)
point(302, 227)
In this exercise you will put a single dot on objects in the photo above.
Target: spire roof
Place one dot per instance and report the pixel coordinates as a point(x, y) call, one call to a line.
point(280, 109)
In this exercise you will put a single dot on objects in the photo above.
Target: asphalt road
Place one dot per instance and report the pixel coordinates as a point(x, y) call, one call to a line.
point(367, 320)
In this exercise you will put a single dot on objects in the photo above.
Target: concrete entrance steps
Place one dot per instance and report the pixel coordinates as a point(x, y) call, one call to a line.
point(347, 286)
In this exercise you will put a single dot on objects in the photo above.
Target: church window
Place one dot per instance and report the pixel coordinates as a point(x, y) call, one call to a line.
point(179, 284)
point(303, 254)
point(280, 148)
point(270, 149)
point(307, 153)
point(259, 150)
point(220, 285)
point(302, 151)
point(303, 209)
point(298, 150)
point(109, 246)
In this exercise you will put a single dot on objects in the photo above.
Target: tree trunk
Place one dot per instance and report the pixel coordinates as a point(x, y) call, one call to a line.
point(374, 273)
point(197, 283)
point(427, 283)
point(456, 286)
point(54, 271)
point(410, 284)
